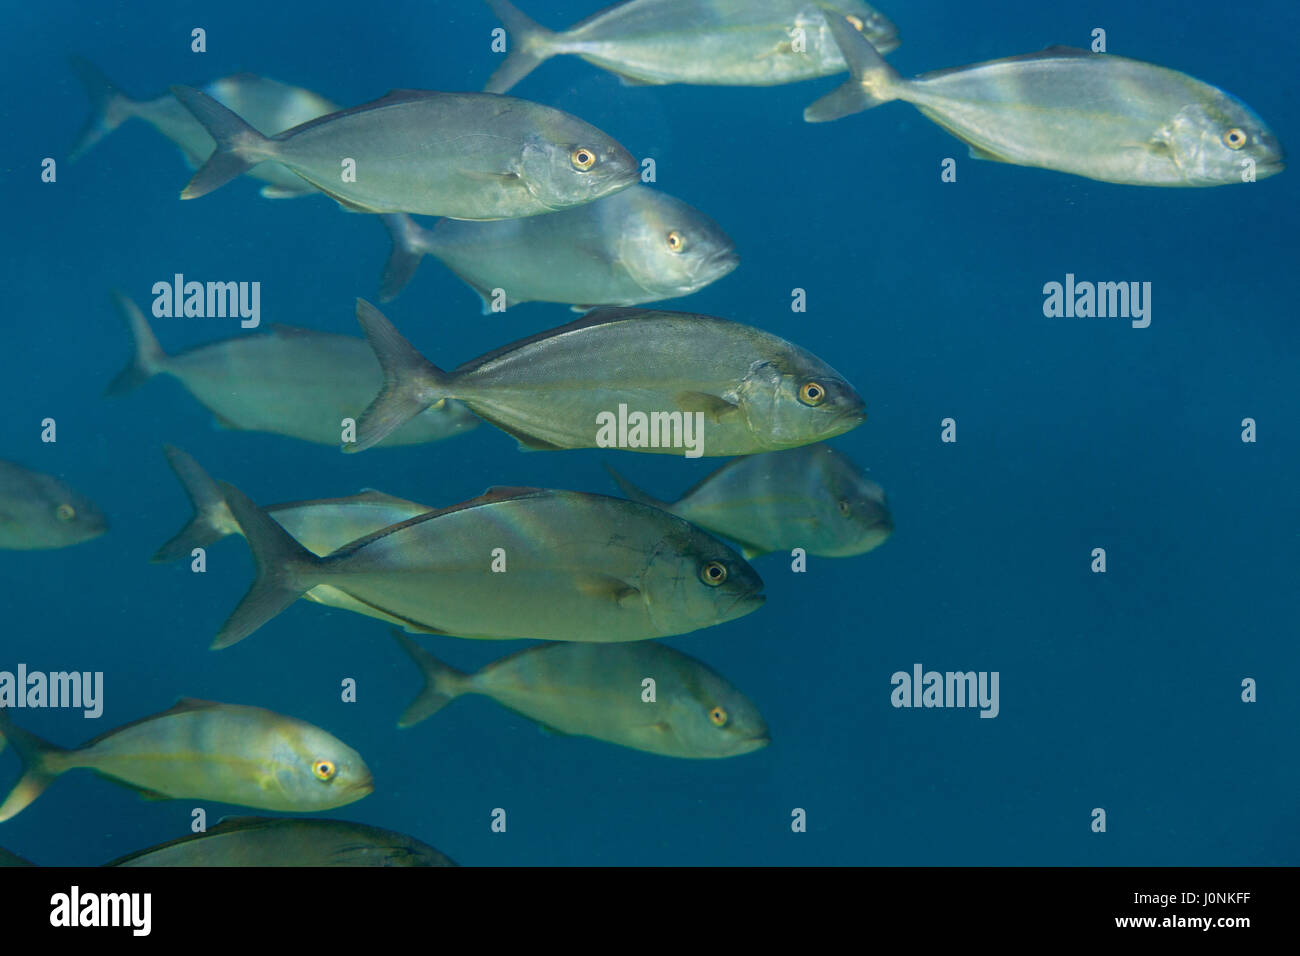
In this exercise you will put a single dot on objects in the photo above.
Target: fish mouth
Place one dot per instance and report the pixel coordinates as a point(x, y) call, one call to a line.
point(757, 742)
point(716, 266)
point(362, 787)
point(746, 604)
point(1269, 167)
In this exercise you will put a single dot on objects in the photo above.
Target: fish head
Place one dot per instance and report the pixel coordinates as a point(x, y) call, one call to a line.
point(321, 771)
point(796, 399)
point(710, 718)
point(578, 166)
point(670, 249)
point(692, 580)
point(66, 516)
point(1218, 140)
point(859, 515)
point(881, 31)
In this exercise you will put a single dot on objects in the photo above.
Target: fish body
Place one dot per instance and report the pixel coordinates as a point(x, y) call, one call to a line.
point(279, 841)
point(749, 390)
point(1096, 115)
point(463, 155)
point(38, 511)
point(599, 690)
point(811, 497)
point(288, 381)
point(704, 42)
point(638, 245)
point(204, 750)
point(268, 105)
point(514, 563)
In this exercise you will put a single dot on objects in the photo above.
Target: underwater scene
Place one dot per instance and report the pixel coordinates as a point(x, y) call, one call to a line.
point(685, 433)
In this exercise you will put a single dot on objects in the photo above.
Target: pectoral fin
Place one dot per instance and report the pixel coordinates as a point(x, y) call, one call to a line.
point(978, 153)
point(609, 588)
point(714, 407)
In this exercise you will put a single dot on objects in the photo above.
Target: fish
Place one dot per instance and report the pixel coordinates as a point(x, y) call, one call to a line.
point(203, 750)
point(463, 155)
point(514, 563)
point(281, 841)
point(638, 245)
point(599, 690)
point(812, 497)
point(321, 526)
point(288, 381)
point(1096, 115)
point(747, 389)
point(39, 511)
point(13, 859)
point(268, 105)
point(702, 42)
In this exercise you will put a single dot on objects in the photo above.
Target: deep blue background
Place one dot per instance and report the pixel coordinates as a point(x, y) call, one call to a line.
point(1118, 691)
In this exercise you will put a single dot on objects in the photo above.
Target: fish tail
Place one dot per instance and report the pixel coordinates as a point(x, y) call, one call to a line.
point(530, 44)
point(148, 358)
point(873, 81)
point(633, 492)
point(410, 243)
point(239, 146)
point(411, 382)
point(211, 516)
point(109, 106)
point(38, 774)
point(442, 683)
point(284, 569)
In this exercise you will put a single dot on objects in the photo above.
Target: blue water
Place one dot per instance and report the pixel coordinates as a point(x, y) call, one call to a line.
point(1118, 690)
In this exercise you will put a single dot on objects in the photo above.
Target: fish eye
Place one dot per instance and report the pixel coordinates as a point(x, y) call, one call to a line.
point(855, 22)
point(718, 717)
point(65, 512)
point(675, 241)
point(1234, 138)
point(811, 393)
point(323, 769)
point(582, 158)
point(713, 573)
point(845, 509)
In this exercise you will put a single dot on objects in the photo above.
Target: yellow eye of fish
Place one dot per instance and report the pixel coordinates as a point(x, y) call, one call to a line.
point(718, 716)
point(65, 512)
point(812, 394)
point(854, 21)
point(845, 509)
point(323, 769)
point(583, 158)
point(713, 573)
point(675, 241)
point(1234, 138)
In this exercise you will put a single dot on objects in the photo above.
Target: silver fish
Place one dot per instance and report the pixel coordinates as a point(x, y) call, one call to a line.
point(203, 750)
point(748, 390)
point(514, 563)
point(39, 511)
point(463, 155)
point(706, 42)
point(268, 105)
point(811, 497)
point(286, 380)
point(636, 246)
point(598, 690)
point(1094, 115)
point(287, 841)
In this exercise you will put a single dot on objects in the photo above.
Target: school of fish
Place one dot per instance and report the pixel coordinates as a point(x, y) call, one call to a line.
point(537, 205)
